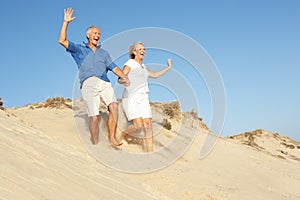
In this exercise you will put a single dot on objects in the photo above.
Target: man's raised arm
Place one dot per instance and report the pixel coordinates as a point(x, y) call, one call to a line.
point(63, 31)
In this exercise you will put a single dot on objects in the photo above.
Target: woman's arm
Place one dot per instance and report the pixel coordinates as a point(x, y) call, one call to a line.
point(122, 80)
point(126, 69)
point(160, 73)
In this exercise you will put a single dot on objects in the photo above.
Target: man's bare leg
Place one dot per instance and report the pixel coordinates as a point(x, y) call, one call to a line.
point(112, 123)
point(94, 129)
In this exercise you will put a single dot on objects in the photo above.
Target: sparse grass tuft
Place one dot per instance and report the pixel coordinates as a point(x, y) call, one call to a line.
point(172, 110)
point(1, 104)
point(167, 124)
point(56, 102)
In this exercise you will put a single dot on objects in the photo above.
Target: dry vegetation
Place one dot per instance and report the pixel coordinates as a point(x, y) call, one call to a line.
point(173, 114)
point(1, 104)
point(172, 110)
point(249, 138)
point(284, 148)
point(56, 102)
point(167, 124)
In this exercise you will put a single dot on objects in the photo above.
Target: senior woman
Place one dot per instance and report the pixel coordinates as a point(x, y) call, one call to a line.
point(135, 96)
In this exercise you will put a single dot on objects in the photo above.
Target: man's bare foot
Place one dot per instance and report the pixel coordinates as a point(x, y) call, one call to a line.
point(94, 141)
point(113, 142)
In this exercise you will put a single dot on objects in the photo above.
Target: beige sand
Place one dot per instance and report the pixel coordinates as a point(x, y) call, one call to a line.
point(43, 157)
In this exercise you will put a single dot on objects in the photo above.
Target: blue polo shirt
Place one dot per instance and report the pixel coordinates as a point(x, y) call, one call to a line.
point(91, 63)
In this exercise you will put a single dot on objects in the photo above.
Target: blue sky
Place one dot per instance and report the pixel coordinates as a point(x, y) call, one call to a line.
point(255, 45)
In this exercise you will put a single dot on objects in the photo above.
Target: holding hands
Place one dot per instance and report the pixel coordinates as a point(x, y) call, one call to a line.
point(124, 80)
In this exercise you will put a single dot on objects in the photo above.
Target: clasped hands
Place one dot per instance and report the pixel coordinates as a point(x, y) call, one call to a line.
point(124, 80)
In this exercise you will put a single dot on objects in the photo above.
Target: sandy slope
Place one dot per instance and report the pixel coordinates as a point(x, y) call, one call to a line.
point(42, 157)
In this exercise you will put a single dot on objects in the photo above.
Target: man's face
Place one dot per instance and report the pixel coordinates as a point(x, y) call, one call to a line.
point(94, 36)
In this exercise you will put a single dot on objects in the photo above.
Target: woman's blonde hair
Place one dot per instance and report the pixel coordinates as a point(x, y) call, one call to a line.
point(132, 48)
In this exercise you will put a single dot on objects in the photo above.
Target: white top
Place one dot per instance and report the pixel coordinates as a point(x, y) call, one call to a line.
point(138, 77)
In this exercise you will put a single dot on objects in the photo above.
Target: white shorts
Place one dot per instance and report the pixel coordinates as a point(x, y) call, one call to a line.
point(93, 91)
point(137, 106)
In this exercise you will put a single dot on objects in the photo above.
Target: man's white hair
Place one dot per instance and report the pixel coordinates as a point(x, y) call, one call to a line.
point(89, 30)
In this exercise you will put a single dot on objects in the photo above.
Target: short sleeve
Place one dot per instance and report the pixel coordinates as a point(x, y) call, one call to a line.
point(131, 63)
point(111, 65)
point(72, 48)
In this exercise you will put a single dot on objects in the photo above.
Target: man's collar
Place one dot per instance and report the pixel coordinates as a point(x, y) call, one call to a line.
point(98, 46)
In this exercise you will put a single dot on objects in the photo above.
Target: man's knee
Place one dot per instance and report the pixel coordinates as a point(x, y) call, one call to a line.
point(94, 118)
point(113, 107)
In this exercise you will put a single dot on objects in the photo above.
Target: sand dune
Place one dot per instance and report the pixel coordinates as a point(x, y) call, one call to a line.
point(43, 157)
point(270, 143)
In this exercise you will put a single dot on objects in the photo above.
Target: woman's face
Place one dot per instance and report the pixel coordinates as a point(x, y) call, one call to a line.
point(140, 51)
